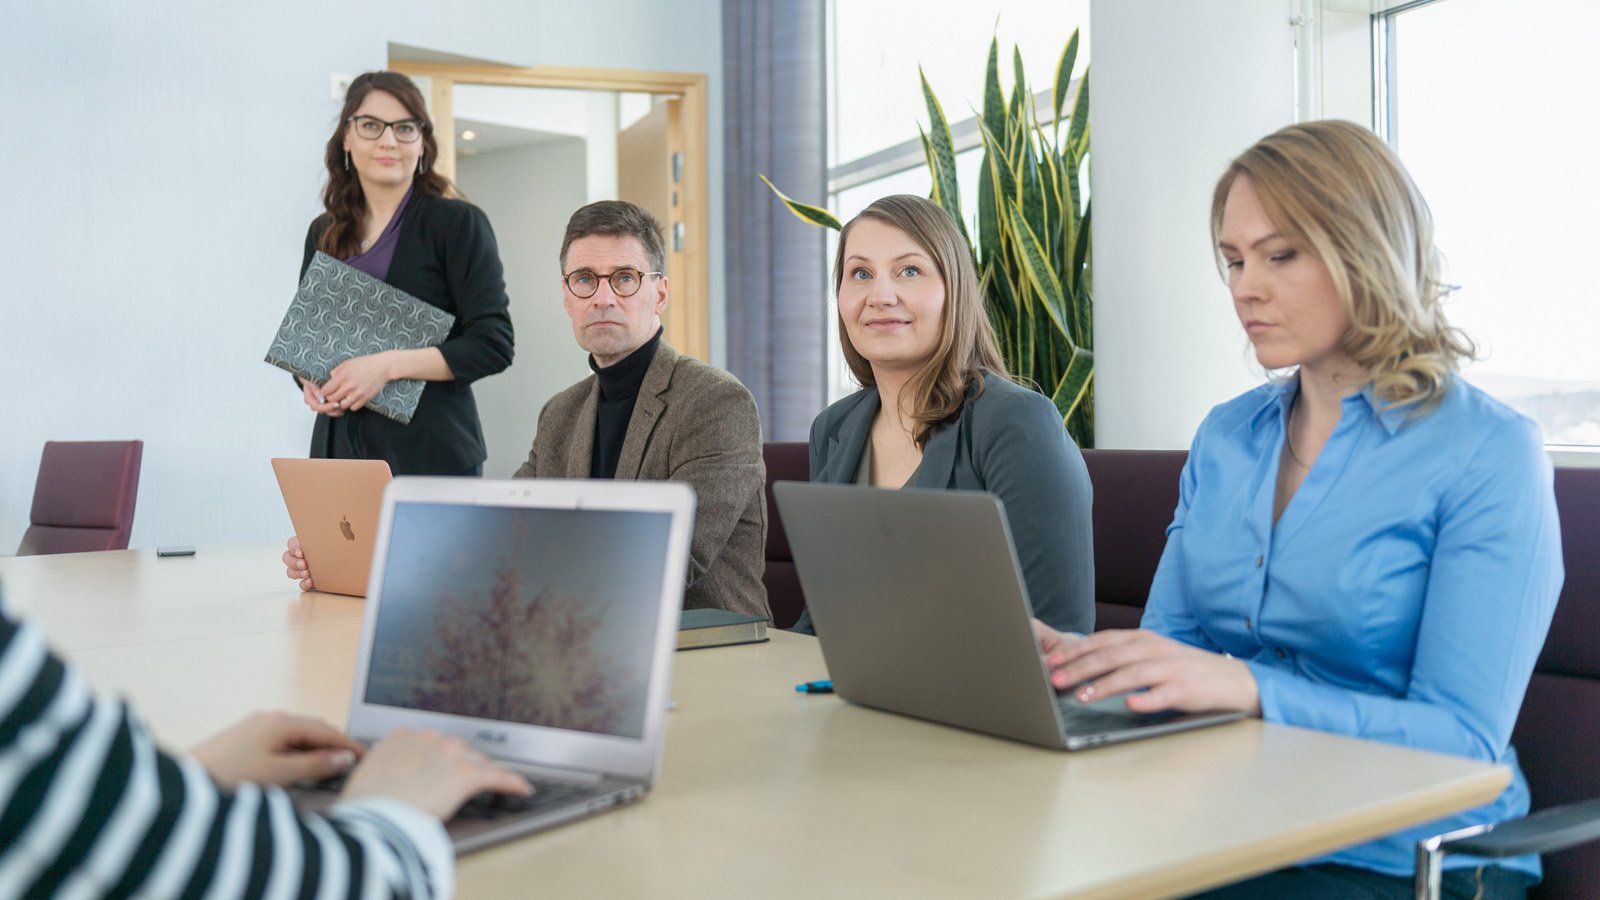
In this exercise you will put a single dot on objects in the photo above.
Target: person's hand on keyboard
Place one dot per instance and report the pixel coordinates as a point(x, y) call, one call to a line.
point(431, 771)
point(1155, 672)
point(276, 748)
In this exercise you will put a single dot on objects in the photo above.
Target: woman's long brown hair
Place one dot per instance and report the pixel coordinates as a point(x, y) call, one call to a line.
point(343, 198)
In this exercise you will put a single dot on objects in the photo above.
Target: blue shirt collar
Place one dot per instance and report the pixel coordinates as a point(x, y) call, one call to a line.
point(1282, 394)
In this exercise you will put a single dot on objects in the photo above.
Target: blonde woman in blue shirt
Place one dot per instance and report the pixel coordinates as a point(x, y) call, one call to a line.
point(1367, 545)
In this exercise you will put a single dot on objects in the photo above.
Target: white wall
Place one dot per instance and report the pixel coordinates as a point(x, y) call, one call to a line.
point(528, 194)
point(166, 158)
point(1178, 88)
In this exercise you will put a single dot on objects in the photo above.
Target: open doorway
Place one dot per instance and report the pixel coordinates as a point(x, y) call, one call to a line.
point(529, 146)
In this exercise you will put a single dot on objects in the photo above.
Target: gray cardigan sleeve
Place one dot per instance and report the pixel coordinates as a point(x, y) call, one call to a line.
point(1023, 455)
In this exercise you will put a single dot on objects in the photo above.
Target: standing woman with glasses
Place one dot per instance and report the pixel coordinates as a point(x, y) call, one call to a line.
point(389, 214)
point(392, 216)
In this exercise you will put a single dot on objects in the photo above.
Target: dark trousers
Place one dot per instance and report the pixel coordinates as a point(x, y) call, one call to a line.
point(1328, 882)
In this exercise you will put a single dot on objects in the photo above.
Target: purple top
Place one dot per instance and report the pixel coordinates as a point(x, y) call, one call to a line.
point(375, 259)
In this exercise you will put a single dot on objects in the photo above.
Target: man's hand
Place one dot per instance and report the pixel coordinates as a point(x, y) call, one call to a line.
point(276, 748)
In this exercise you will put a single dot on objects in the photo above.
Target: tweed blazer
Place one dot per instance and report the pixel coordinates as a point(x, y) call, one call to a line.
point(1008, 441)
point(692, 423)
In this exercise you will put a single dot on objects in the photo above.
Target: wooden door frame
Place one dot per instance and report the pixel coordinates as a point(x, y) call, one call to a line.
point(691, 299)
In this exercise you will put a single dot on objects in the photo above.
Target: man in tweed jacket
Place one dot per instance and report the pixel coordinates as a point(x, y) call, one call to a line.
point(648, 413)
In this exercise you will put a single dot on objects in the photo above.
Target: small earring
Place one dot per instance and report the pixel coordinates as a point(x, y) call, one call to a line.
point(347, 160)
point(422, 166)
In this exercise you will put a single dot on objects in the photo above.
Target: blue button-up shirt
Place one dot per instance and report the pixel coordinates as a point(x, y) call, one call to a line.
point(1402, 596)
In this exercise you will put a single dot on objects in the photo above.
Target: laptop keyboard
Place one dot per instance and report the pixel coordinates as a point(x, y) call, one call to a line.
point(1078, 719)
point(488, 805)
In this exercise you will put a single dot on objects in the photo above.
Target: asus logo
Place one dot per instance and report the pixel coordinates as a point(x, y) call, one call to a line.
point(493, 737)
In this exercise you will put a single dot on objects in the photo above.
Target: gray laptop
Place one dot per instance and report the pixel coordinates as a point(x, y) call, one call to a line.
point(497, 611)
point(921, 609)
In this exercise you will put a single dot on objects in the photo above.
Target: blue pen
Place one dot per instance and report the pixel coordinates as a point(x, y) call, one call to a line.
point(815, 687)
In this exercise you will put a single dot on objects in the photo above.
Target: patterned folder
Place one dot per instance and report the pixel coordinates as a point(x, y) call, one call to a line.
point(340, 312)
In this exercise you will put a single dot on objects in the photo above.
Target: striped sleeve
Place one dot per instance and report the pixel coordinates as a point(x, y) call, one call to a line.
point(91, 808)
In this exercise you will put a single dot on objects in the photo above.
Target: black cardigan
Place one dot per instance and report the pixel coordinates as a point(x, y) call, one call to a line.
point(446, 256)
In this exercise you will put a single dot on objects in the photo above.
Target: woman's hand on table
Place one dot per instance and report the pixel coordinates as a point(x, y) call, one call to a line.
point(435, 773)
point(276, 748)
point(294, 564)
point(1164, 673)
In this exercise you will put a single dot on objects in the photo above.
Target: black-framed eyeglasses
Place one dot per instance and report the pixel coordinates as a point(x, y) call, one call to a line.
point(624, 282)
point(406, 131)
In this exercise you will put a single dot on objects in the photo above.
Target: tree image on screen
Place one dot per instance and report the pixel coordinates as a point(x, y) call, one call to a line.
point(520, 654)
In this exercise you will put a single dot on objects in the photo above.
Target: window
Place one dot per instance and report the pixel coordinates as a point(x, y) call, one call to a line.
point(875, 97)
point(1488, 105)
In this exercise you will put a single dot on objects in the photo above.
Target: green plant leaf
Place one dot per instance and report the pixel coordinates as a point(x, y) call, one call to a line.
point(1069, 58)
point(1005, 174)
point(1036, 265)
point(1018, 88)
point(1055, 215)
point(816, 215)
point(988, 217)
point(1078, 132)
point(1073, 387)
point(994, 101)
point(1080, 285)
point(940, 148)
point(1031, 181)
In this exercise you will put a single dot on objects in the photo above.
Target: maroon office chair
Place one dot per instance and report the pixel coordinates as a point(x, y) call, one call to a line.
point(786, 461)
point(84, 497)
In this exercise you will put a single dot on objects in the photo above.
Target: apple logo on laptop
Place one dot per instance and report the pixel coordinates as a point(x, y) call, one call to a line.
point(344, 527)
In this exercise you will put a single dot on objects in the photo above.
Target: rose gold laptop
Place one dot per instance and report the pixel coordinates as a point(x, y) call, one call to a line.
point(334, 505)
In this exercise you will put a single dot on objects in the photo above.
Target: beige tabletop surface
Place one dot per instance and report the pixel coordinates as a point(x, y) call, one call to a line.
point(765, 792)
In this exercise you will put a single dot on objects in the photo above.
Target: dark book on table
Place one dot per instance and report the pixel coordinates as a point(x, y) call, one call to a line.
point(719, 627)
point(341, 312)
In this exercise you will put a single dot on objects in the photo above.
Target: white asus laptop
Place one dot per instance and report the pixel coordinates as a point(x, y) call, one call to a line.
point(500, 611)
point(921, 609)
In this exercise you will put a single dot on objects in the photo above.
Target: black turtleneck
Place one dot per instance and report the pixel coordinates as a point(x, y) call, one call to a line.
point(619, 388)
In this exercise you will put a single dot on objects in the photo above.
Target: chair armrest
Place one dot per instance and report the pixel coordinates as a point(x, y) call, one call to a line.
point(1545, 831)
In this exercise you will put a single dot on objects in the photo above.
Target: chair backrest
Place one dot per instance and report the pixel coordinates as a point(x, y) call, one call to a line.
point(786, 461)
point(84, 497)
point(1558, 732)
point(1135, 494)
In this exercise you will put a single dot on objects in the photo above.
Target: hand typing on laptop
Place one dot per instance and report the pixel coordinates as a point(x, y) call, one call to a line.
point(1167, 674)
point(428, 770)
point(435, 773)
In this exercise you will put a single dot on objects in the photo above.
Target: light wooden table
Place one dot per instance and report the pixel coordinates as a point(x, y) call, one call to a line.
point(765, 792)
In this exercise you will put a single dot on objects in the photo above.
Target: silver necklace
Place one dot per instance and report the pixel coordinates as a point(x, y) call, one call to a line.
point(1288, 436)
point(365, 245)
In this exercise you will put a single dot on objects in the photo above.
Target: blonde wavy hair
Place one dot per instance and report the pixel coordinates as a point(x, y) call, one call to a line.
point(967, 345)
point(1336, 188)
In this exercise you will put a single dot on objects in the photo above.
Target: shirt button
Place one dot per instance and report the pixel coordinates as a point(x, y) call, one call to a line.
point(1247, 624)
point(1258, 561)
point(1281, 654)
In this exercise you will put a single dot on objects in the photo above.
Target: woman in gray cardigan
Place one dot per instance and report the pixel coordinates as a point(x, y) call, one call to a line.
point(937, 408)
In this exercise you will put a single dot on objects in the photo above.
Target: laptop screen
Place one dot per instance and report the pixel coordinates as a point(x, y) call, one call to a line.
point(529, 615)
